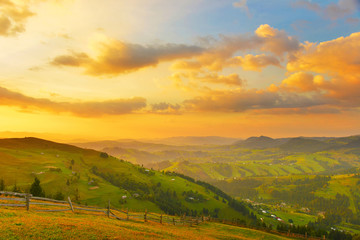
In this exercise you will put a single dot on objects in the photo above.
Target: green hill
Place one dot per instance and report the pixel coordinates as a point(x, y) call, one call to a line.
point(304, 145)
point(92, 177)
point(260, 142)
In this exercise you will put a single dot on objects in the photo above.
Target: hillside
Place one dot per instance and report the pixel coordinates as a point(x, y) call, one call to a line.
point(312, 177)
point(30, 225)
point(193, 140)
point(260, 142)
point(92, 177)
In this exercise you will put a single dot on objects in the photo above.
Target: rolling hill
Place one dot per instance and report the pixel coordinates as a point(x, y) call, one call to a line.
point(92, 177)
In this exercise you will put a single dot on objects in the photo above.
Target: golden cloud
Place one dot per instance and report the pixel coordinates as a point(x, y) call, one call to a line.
point(242, 100)
point(14, 15)
point(82, 109)
point(115, 57)
point(276, 41)
point(338, 57)
point(196, 76)
point(255, 62)
point(165, 108)
point(302, 82)
point(222, 52)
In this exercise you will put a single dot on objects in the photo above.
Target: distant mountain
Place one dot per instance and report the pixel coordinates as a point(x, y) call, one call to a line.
point(132, 155)
point(126, 143)
point(343, 141)
point(304, 145)
point(194, 140)
point(354, 144)
point(260, 142)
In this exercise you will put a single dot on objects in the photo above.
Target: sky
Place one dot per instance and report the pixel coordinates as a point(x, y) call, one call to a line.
point(160, 68)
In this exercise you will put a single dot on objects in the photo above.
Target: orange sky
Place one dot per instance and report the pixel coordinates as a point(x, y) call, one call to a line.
point(143, 69)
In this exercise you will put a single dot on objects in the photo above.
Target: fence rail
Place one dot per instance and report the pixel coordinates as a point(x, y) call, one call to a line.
point(35, 203)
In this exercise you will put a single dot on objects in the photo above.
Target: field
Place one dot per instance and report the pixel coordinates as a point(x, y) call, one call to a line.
point(19, 224)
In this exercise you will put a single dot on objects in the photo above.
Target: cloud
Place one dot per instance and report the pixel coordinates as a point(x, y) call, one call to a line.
point(276, 41)
point(242, 4)
point(331, 11)
point(82, 109)
point(72, 60)
point(214, 78)
point(222, 51)
point(352, 20)
point(300, 111)
point(255, 63)
point(165, 108)
point(338, 57)
point(331, 68)
point(231, 79)
point(302, 82)
point(242, 100)
point(325, 75)
point(115, 57)
point(14, 15)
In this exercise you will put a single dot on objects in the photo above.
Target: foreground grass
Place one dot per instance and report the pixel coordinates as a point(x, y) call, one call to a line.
point(19, 224)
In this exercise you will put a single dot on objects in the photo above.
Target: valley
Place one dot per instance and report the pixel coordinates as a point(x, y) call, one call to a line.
point(296, 179)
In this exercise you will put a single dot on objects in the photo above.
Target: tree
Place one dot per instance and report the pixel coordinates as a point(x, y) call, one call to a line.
point(2, 185)
point(15, 188)
point(59, 196)
point(36, 189)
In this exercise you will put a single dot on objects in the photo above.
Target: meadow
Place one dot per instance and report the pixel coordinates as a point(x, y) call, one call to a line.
point(19, 224)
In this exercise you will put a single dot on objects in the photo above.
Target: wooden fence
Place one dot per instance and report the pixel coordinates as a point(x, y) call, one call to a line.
point(39, 204)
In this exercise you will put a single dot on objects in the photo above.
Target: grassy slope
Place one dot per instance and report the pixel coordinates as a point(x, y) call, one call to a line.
point(23, 159)
point(29, 225)
point(268, 165)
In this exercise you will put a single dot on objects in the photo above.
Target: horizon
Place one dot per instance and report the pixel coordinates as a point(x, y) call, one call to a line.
point(80, 69)
point(67, 140)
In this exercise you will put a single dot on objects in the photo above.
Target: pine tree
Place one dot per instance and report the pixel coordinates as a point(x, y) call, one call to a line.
point(36, 189)
point(15, 188)
point(2, 185)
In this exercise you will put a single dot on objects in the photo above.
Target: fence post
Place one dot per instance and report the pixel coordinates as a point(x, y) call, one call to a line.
point(306, 235)
point(127, 214)
point(202, 218)
point(145, 215)
point(27, 198)
point(108, 209)
point(161, 219)
point(70, 203)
